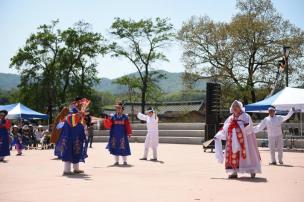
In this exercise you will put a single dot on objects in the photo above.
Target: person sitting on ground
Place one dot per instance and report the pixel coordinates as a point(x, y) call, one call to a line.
point(39, 134)
point(26, 137)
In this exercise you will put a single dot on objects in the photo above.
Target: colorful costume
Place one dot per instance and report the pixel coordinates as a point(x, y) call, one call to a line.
point(71, 146)
point(152, 137)
point(17, 141)
point(4, 138)
point(120, 130)
point(241, 152)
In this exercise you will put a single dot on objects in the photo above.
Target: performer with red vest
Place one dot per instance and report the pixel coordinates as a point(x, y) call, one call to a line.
point(5, 126)
point(120, 130)
point(72, 142)
point(241, 152)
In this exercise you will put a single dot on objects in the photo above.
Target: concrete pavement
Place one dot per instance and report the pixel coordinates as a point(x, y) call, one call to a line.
point(184, 173)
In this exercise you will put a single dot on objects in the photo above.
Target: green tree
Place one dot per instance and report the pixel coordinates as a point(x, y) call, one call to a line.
point(133, 85)
point(55, 65)
point(142, 43)
point(243, 53)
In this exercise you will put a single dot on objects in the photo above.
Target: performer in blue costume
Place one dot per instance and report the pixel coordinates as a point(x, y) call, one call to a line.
point(4, 135)
point(17, 140)
point(73, 141)
point(120, 130)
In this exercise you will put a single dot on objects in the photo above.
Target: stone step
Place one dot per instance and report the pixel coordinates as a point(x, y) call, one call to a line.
point(172, 126)
point(171, 140)
point(169, 133)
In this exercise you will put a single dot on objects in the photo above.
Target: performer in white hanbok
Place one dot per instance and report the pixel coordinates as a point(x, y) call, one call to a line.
point(152, 138)
point(273, 123)
point(241, 152)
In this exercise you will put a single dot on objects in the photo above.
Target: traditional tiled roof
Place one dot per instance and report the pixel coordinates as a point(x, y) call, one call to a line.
point(161, 108)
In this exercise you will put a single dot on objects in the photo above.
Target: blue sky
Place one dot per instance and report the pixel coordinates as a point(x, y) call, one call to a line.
point(20, 18)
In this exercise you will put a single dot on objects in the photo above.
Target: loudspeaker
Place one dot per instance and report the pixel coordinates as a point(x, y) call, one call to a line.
point(213, 105)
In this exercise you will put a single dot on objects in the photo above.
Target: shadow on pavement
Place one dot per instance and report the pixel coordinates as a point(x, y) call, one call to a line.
point(121, 166)
point(289, 166)
point(79, 176)
point(161, 162)
point(244, 179)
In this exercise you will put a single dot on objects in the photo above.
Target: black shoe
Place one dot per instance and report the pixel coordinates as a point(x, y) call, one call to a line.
point(116, 164)
point(281, 163)
point(252, 175)
point(233, 176)
point(273, 163)
point(143, 159)
point(125, 163)
point(153, 159)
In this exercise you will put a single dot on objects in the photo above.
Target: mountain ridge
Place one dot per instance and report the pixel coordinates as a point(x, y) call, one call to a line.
point(172, 83)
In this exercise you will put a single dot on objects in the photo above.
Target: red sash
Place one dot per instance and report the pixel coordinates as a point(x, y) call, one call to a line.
point(233, 159)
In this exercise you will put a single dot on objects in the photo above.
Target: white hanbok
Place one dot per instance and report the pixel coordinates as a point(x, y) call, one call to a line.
point(152, 138)
point(275, 134)
point(251, 163)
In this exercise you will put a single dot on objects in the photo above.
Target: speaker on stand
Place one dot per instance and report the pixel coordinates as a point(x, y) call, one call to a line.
point(212, 109)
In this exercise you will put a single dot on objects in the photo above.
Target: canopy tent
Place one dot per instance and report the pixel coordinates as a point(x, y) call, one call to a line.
point(18, 110)
point(283, 101)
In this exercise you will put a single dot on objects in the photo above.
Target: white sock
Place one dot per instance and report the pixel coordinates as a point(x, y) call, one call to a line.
point(76, 166)
point(67, 167)
point(116, 159)
point(124, 158)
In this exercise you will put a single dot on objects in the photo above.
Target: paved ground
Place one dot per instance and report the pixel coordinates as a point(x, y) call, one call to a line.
point(185, 173)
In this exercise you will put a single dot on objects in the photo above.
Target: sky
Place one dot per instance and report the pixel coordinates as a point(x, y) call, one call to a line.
point(20, 18)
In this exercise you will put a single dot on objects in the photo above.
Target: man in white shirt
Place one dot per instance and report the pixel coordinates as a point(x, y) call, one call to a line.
point(152, 138)
point(273, 123)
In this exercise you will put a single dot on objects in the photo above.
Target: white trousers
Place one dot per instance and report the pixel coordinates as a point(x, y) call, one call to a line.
point(146, 152)
point(275, 143)
point(124, 158)
point(67, 166)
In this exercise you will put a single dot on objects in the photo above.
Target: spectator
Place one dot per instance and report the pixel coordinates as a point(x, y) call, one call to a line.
point(26, 136)
point(17, 140)
point(39, 134)
point(33, 141)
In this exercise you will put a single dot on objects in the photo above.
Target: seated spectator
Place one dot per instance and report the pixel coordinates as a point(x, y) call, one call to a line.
point(39, 134)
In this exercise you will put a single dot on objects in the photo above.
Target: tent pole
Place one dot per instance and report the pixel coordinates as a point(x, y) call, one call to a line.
point(301, 123)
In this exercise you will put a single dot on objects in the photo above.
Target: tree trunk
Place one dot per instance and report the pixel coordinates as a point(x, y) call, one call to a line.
point(143, 98)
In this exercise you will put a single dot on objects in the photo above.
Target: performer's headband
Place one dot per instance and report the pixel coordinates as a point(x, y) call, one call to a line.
point(271, 109)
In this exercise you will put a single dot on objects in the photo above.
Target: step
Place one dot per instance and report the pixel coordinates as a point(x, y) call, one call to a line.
point(171, 126)
point(170, 133)
point(171, 140)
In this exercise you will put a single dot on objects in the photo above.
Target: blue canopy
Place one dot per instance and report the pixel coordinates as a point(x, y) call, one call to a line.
point(262, 105)
point(18, 110)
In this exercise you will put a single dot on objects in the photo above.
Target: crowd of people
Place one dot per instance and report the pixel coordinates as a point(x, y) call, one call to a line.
point(27, 136)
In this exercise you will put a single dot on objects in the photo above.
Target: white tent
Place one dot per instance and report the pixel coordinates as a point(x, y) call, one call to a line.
point(290, 97)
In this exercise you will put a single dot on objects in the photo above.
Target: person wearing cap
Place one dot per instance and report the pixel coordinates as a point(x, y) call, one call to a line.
point(39, 134)
point(26, 137)
point(120, 130)
point(17, 140)
point(72, 140)
point(152, 138)
point(4, 135)
point(241, 151)
point(273, 123)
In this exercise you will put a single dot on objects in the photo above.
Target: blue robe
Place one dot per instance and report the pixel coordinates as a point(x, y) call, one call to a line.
point(71, 146)
point(118, 144)
point(17, 139)
point(4, 140)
